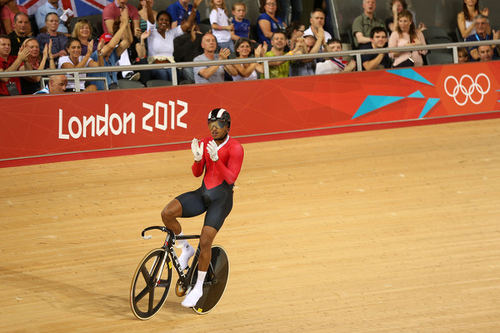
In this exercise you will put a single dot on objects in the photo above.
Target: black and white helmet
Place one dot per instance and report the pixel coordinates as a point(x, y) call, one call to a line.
point(220, 114)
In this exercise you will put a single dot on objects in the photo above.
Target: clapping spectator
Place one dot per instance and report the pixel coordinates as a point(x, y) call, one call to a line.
point(74, 59)
point(363, 24)
point(111, 17)
point(335, 65)
point(10, 63)
point(221, 28)
point(466, 18)
point(482, 26)
point(244, 50)
point(35, 61)
point(406, 35)
point(109, 50)
point(279, 69)
point(58, 39)
point(161, 41)
point(317, 21)
point(21, 32)
point(293, 32)
point(309, 44)
point(83, 32)
point(240, 23)
point(268, 22)
point(397, 6)
point(8, 12)
point(215, 73)
point(51, 6)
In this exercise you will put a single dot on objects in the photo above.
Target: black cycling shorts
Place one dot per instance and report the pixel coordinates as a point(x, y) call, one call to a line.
point(217, 202)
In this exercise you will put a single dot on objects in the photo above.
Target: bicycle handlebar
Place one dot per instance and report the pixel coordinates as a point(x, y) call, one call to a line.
point(164, 229)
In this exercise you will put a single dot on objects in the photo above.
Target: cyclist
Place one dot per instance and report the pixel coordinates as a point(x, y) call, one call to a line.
point(221, 158)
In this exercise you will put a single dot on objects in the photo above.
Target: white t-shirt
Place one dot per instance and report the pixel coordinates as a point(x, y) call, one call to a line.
point(71, 83)
point(309, 32)
point(159, 46)
point(219, 16)
point(252, 76)
point(329, 67)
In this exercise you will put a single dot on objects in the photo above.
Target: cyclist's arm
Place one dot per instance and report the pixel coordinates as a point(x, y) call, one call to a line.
point(232, 170)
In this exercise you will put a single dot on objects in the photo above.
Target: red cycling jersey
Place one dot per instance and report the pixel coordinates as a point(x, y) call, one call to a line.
point(227, 168)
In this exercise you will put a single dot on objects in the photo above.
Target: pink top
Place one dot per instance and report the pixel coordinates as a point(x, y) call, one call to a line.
point(112, 12)
point(398, 41)
point(8, 14)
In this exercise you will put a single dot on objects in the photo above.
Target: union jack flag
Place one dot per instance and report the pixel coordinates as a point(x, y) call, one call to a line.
point(79, 7)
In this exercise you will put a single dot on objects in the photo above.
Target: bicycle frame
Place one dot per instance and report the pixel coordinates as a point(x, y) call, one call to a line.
point(168, 245)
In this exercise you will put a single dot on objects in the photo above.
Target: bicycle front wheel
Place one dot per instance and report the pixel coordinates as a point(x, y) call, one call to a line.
point(150, 284)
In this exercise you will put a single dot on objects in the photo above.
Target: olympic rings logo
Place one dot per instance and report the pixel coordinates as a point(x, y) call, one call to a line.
point(467, 87)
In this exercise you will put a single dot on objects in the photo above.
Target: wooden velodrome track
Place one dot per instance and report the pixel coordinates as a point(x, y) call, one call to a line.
point(381, 231)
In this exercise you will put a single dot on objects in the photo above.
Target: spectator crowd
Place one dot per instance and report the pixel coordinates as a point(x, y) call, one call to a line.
point(52, 39)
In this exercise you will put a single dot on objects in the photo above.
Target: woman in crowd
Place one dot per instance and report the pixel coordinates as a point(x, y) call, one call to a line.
point(31, 84)
point(58, 39)
point(248, 71)
point(8, 11)
point(396, 7)
point(161, 41)
point(268, 22)
point(83, 32)
point(406, 35)
point(74, 59)
point(293, 32)
point(465, 19)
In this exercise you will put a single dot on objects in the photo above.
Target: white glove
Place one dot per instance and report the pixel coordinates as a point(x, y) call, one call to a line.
point(197, 150)
point(212, 151)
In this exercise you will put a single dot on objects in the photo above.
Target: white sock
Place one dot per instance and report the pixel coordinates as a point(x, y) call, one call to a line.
point(199, 281)
point(194, 296)
point(179, 243)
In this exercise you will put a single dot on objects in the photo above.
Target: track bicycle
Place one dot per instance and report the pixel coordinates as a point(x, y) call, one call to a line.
point(153, 277)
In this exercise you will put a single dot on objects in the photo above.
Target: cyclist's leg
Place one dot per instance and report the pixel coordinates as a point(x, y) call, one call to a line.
point(188, 204)
point(220, 206)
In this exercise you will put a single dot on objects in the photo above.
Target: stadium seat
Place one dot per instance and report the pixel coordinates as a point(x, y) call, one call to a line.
point(129, 84)
point(439, 58)
point(158, 83)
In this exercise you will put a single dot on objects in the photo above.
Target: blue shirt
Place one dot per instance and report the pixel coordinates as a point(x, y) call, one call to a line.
point(275, 26)
point(111, 77)
point(242, 28)
point(43, 10)
point(179, 14)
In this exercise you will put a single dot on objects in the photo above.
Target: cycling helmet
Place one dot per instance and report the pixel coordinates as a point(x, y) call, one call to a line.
point(221, 115)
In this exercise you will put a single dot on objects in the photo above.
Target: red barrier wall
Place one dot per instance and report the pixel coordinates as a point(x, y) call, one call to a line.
point(37, 129)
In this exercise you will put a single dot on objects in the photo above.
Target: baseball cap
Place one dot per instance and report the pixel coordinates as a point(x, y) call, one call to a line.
point(106, 37)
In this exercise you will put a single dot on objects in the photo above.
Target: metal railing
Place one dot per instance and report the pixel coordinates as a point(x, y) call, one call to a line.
point(265, 61)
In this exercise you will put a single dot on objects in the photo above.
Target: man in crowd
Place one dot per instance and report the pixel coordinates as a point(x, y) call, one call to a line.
point(378, 40)
point(482, 26)
point(11, 86)
point(111, 17)
point(22, 30)
point(363, 24)
point(278, 69)
point(57, 85)
point(211, 74)
point(317, 21)
point(51, 6)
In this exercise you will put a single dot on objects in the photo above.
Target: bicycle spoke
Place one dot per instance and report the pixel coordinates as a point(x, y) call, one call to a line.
point(145, 274)
point(141, 294)
point(151, 300)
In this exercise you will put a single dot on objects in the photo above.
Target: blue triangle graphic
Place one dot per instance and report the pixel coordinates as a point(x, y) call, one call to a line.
point(417, 94)
point(373, 102)
point(431, 102)
point(409, 73)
